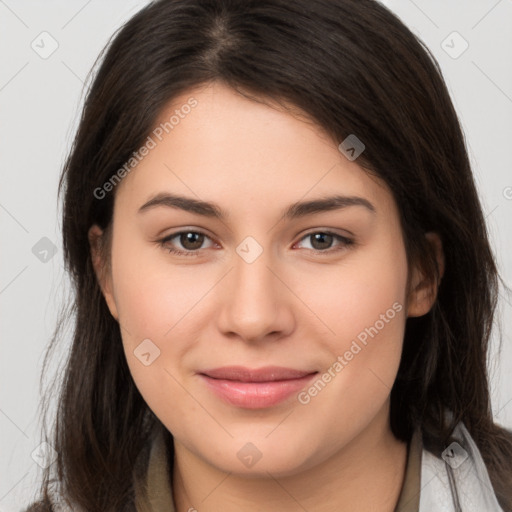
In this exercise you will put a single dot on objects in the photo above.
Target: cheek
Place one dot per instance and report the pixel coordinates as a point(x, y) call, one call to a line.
point(365, 291)
point(152, 295)
point(363, 306)
point(156, 340)
point(367, 316)
point(155, 303)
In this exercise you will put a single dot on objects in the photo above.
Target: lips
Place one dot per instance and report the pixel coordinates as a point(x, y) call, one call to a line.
point(267, 374)
point(255, 388)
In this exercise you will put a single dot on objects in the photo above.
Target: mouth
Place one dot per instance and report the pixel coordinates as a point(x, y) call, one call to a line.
point(255, 388)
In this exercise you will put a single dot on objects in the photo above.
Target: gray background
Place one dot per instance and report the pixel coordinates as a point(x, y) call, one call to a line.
point(40, 100)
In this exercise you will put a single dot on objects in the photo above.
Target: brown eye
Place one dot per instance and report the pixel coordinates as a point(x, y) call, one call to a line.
point(322, 241)
point(190, 241)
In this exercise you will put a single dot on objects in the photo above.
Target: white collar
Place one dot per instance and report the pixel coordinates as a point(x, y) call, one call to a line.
point(458, 480)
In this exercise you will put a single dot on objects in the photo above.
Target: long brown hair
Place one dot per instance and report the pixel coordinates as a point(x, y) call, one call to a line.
point(354, 68)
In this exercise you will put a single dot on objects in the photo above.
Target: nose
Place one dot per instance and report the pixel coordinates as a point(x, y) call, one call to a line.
point(255, 304)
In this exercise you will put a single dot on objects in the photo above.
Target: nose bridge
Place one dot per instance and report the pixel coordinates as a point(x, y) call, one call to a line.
point(254, 304)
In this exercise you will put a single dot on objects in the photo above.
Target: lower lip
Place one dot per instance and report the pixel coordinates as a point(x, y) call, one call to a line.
point(256, 395)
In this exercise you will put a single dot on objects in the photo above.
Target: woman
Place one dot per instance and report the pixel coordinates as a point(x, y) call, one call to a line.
point(223, 359)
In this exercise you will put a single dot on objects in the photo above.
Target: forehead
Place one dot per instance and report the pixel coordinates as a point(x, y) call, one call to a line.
point(241, 153)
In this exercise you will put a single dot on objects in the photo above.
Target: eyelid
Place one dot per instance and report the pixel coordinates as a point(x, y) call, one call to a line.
point(331, 231)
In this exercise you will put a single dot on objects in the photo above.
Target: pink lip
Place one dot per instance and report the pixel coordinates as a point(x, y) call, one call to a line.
point(255, 389)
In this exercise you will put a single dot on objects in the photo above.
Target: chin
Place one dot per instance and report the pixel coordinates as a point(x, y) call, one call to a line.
point(258, 459)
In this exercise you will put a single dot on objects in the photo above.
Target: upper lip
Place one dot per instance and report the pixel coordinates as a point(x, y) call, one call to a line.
point(266, 374)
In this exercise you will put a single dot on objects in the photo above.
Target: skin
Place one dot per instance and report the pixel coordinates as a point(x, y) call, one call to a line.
point(294, 306)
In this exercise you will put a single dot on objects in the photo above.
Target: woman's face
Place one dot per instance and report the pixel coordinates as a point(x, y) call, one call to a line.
point(320, 290)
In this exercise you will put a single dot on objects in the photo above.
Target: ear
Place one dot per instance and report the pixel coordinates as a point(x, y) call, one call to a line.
point(423, 288)
point(101, 267)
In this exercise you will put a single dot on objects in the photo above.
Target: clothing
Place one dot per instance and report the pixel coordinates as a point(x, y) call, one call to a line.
point(152, 476)
point(457, 482)
point(461, 484)
point(409, 499)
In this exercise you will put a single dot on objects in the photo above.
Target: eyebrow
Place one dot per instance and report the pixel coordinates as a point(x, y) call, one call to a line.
point(293, 211)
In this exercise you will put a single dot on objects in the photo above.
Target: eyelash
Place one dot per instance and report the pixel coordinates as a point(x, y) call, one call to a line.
point(163, 242)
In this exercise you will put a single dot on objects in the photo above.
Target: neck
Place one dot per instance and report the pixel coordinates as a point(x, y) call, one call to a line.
point(366, 475)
